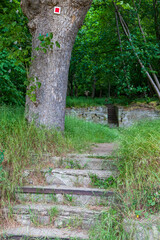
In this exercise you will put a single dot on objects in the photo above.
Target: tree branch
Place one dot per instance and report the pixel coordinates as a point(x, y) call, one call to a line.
point(144, 38)
point(127, 33)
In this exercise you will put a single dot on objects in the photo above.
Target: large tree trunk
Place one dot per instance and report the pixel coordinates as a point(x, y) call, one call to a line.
point(51, 68)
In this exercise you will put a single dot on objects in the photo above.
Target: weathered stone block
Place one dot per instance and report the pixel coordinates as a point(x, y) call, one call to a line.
point(145, 229)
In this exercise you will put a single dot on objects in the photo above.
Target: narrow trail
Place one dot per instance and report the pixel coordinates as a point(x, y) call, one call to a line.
point(66, 205)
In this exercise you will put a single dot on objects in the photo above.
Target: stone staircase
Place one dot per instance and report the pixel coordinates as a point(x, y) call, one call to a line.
point(66, 205)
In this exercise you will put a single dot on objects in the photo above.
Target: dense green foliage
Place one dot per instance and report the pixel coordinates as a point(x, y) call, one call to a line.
point(15, 50)
point(12, 89)
point(103, 63)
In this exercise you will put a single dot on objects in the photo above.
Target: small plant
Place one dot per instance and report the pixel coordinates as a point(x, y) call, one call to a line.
point(103, 183)
point(153, 201)
point(32, 86)
point(77, 182)
point(73, 164)
point(10, 210)
point(68, 197)
point(138, 213)
point(53, 212)
point(34, 218)
point(46, 43)
point(50, 171)
point(75, 222)
point(53, 197)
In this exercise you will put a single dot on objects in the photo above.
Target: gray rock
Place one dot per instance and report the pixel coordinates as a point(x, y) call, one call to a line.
point(82, 161)
point(145, 229)
point(94, 114)
point(45, 232)
point(75, 178)
point(41, 214)
point(126, 116)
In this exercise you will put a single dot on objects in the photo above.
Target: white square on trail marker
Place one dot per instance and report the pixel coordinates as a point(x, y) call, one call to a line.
point(57, 10)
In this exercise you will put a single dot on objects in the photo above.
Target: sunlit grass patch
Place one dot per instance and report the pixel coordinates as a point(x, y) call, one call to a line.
point(80, 132)
point(81, 102)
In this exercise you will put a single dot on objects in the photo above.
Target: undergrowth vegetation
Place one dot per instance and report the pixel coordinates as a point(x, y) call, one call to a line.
point(109, 227)
point(20, 141)
point(84, 102)
point(138, 182)
point(139, 161)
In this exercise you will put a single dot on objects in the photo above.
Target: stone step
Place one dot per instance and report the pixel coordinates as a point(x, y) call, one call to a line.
point(31, 233)
point(82, 161)
point(69, 196)
point(97, 150)
point(103, 149)
point(75, 178)
point(66, 177)
point(59, 216)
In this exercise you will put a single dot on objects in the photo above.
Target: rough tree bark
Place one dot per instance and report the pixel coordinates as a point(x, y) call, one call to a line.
point(51, 69)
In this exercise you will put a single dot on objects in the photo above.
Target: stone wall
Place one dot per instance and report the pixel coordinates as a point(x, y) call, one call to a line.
point(128, 116)
point(94, 114)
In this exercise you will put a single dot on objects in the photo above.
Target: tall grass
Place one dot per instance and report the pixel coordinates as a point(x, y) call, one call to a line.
point(20, 141)
point(109, 226)
point(139, 165)
point(138, 183)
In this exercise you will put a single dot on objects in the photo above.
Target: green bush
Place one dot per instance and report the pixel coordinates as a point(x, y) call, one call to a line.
point(12, 89)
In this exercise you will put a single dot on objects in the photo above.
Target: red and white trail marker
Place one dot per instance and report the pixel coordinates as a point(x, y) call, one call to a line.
point(57, 10)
